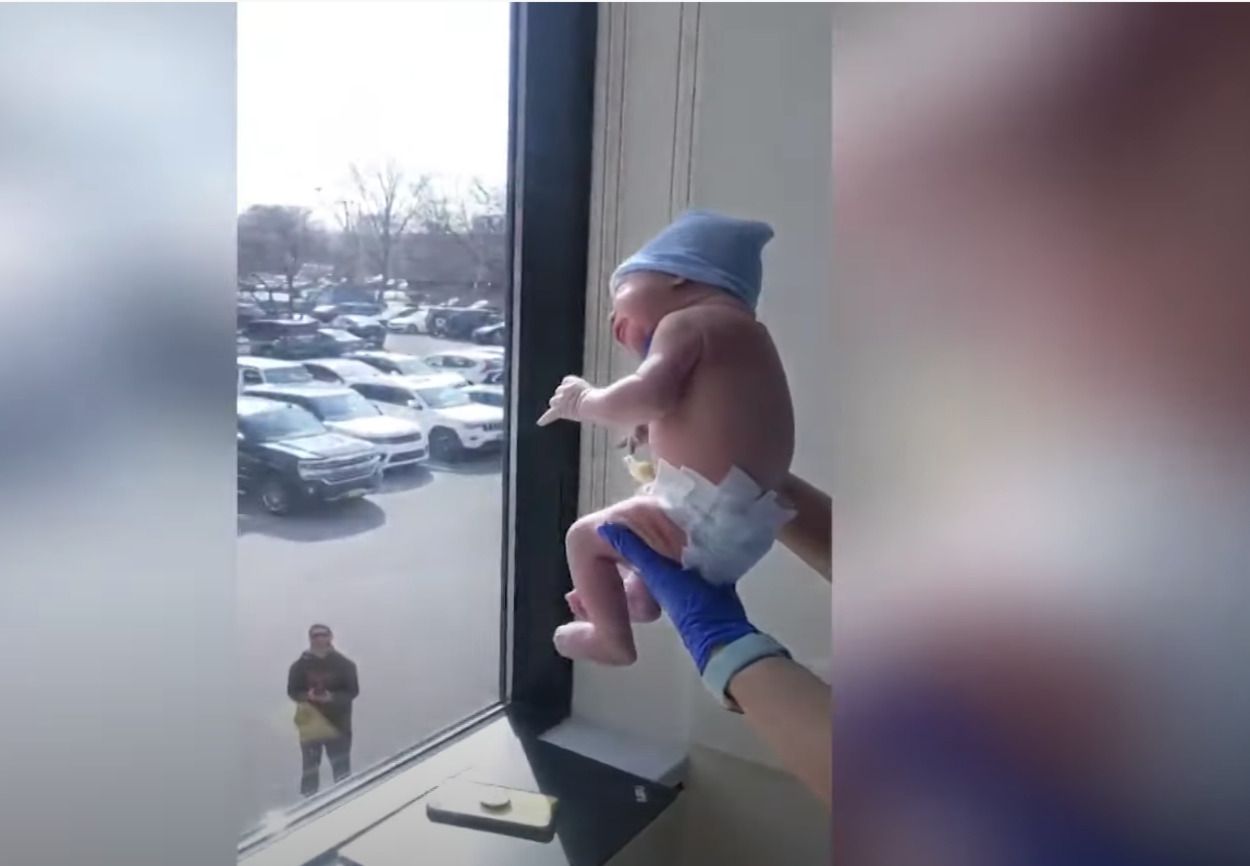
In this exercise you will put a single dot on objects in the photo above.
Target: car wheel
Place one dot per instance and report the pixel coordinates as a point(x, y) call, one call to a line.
point(411, 328)
point(444, 444)
point(275, 497)
point(438, 327)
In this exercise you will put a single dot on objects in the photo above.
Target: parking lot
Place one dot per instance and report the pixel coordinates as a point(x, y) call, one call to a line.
point(408, 579)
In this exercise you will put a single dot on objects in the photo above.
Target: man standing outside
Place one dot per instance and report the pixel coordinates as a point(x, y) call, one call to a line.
point(323, 684)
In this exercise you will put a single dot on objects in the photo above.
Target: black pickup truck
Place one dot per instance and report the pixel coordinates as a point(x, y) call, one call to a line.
point(286, 458)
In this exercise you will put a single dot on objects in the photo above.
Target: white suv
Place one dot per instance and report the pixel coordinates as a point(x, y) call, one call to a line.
point(474, 364)
point(271, 371)
point(413, 322)
point(454, 424)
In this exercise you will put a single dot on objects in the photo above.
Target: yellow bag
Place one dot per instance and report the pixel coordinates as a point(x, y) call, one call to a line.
point(313, 727)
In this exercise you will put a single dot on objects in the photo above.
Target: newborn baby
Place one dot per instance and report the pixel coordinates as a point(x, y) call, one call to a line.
point(712, 394)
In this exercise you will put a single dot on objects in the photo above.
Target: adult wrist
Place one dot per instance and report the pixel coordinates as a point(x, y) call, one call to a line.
point(727, 661)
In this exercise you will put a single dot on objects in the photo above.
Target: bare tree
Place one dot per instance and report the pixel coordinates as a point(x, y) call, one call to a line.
point(276, 238)
point(347, 216)
point(386, 208)
point(477, 219)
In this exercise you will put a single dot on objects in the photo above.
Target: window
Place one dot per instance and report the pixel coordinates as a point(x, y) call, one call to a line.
point(444, 398)
point(440, 582)
point(340, 406)
point(322, 374)
point(383, 393)
point(291, 375)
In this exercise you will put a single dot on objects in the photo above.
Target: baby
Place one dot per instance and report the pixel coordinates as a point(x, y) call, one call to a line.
point(712, 394)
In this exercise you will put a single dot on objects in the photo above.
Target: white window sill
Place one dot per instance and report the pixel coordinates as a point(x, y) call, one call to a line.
point(601, 807)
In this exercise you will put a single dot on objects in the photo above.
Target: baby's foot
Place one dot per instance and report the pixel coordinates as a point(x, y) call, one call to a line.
point(580, 641)
point(642, 606)
point(576, 605)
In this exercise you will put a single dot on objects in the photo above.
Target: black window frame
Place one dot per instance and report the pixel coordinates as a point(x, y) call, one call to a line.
point(551, 133)
point(551, 116)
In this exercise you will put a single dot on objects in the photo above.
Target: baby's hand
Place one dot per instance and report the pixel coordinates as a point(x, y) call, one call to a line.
point(566, 400)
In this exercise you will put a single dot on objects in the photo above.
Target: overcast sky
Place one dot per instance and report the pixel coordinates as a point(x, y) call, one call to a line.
point(325, 84)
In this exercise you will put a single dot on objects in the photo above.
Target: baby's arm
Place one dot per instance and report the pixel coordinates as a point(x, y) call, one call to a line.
point(649, 393)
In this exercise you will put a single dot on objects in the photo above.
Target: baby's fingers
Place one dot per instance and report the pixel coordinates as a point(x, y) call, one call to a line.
point(552, 414)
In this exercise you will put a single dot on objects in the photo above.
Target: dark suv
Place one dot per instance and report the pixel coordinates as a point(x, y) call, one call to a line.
point(291, 339)
point(286, 457)
point(459, 323)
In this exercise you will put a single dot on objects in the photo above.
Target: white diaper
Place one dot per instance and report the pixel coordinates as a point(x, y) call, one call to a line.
point(729, 526)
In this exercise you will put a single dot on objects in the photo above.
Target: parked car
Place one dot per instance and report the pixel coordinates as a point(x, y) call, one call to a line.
point(242, 345)
point(495, 377)
point(286, 457)
point(370, 309)
point(346, 341)
point(341, 371)
point(272, 371)
point(328, 312)
point(459, 323)
point(415, 322)
point(366, 328)
point(455, 424)
point(395, 310)
point(400, 364)
point(400, 440)
point(473, 364)
point(247, 311)
point(288, 338)
point(491, 335)
point(489, 395)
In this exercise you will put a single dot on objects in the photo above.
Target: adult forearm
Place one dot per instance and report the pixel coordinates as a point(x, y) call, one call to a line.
point(790, 709)
point(810, 534)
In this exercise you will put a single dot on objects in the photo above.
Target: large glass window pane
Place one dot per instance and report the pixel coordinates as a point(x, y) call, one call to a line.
point(372, 171)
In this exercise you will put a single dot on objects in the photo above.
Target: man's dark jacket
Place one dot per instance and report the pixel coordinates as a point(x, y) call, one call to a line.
point(336, 674)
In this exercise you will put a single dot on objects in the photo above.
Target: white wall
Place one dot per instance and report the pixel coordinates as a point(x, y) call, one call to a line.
point(725, 106)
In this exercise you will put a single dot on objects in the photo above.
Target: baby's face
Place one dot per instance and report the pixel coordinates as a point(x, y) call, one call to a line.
point(639, 302)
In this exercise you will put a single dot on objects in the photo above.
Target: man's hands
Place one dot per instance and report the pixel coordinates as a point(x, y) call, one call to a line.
point(566, 401)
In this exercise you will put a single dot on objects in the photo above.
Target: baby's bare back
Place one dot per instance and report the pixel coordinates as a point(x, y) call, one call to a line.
point(735, 410)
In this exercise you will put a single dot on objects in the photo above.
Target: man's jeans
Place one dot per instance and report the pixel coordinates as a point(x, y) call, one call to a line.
point(338, 750)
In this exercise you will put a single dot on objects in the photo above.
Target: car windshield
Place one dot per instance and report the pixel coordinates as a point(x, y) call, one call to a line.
point(443, 398)
point(352, 369)
point(412, 367)
point(344, 407)
point(490, 398)
point(292, 375)
point(286, 422)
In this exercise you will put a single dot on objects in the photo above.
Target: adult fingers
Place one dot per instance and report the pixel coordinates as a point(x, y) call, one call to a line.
point(552, 414)
point(659, 533)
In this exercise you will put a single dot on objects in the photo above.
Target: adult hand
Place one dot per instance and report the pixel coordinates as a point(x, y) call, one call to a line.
point(565, 401)
point(706, 616)
point(644, 516)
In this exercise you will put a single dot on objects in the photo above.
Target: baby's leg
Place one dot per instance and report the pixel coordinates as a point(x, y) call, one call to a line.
point(602, 633)
point(642, 607)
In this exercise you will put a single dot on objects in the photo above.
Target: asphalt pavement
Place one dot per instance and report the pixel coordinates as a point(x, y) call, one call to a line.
point(409, 579)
